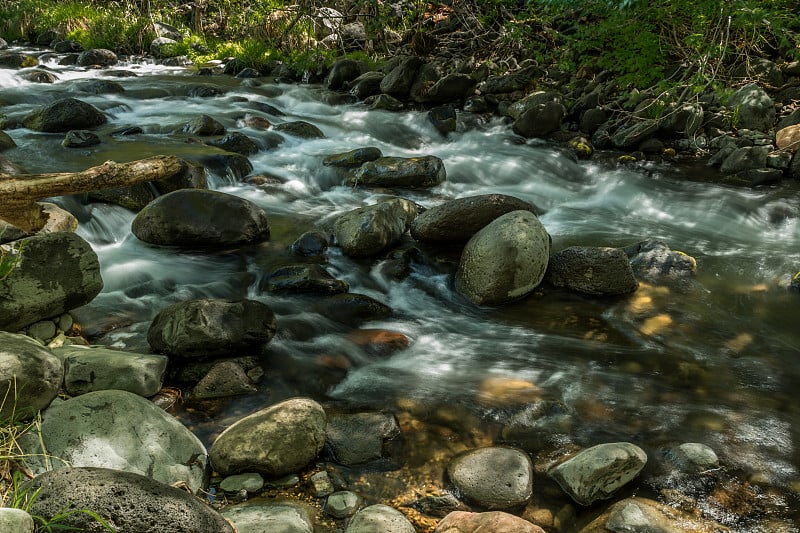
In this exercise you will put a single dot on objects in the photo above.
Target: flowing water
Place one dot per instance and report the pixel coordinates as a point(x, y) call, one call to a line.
point(712, 361)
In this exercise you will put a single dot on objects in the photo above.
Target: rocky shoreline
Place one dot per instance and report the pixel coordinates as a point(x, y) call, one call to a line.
point(289, 461)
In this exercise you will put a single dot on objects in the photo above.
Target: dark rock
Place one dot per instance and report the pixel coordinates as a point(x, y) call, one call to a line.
point(248, 73)
point(310, 244)
point(592, 119)
point(631, 136)
point(6, 141)
point(134, 197)
point(191, 176)
point(653, 260)
point(39, 76)
point(427, 75)
point(353, 158)
point(224, 379)
point(760, 176)
point(353, 309)
point(753, 108)
point(761, 69)
point(33, 290)
point(64, 115)
point(443, 119)
point(360, 437)
point(456, 221)
point(99, 87)
point(80, 139)
point(749, 157)
point(47, 37)
point(398, 82)
point(367, 84)
point(236, 142)
point(67, 46)
point(203, 125)
point(684, 121)
point(451, 88)
point(137, 504)
point(493, 478)
point(272, 140)
point(343, 71)
point(227, 164)
point(369, 230)
point(211, 328)
point(385, 102)
point(540, 120)
point(204, 91)
point(509, 83)
point(306, 278)
point(128, 130)
point(195, 217)
point(15, 60)
point(97, 57)
point(300, 128)
point(592, 270)
point(411, 172)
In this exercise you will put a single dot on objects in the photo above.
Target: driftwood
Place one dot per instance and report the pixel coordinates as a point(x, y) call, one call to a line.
point(20, 192)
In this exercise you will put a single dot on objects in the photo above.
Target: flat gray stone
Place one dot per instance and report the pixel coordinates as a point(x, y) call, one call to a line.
point(272, 518)
point(379, 518)
point(30, 375)
point(342, 504)
point(250, 482)
point(93, 369)
point(600, 471)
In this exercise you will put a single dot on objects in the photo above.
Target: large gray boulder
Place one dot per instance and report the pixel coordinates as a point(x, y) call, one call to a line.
point(128, 502)
point(493, 478)
point(379, 518)
point(745, 158)
point(456, 221)
point(122, 431)
point(404, 172)
point(598, 472)
point(212, 327)
point(505, 260)
point(596, 271)
point(451, 88)
point(752, 108)
point(64, 115)
point(92, 369)
point(51, 274)
point(275, 441)
point(30, 376)
point(489, 522)
point(201, 218)
point(372, 229)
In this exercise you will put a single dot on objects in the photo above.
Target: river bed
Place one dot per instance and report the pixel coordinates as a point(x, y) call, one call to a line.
point(711, 361)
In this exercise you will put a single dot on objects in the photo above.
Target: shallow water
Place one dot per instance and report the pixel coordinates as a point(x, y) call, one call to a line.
point(711, 361)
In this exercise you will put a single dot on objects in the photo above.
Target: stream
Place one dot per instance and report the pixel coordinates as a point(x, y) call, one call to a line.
point(713, 360)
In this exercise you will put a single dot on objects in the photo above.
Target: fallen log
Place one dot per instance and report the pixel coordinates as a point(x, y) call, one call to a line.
point(20, 192)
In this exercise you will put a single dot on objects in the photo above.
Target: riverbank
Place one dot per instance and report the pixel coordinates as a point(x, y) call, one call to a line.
point(515, 405)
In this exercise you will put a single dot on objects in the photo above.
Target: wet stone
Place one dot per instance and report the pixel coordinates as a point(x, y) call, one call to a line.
point(80, 139)
point(321, 484)
point(360, 437)
point(342, 504)
point(493, 478)
point(307, 278)
point(693, 457)
point(381, 518)
point(249, 482)
point(310, 244)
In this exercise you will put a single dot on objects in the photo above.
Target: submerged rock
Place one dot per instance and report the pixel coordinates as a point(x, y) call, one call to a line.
point(489, 522)
point(305, 278)
point(353, 309)
point(360, 437)
point(597, 473)
point(653, 260)
point(643, 515)
point(128, 501)
point(377, 518)
point(353, 158)
point(275, 441)
point(594, 271)
point(505, 260)
point(493, 478)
